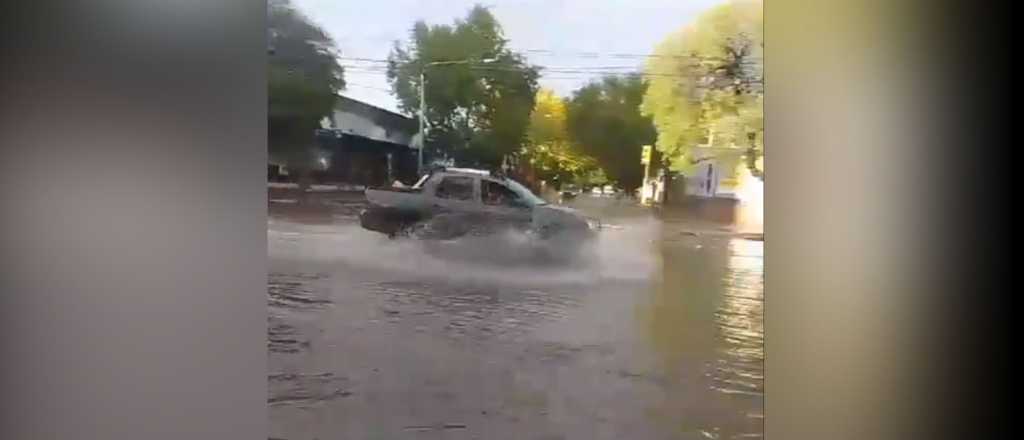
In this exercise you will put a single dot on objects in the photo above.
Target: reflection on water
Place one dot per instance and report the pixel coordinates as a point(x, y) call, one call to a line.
point(706, 323)
point(740, 319)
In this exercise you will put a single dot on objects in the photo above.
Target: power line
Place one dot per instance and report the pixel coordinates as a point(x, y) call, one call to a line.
point(541, 70)
point(372, 60)
point(563, 70)
point(597, 55)
point(591, 54)
point(594, 70)
point(577, 54)
point(383, 61)
point(347, 84)
point(564, 74)
point(366, 68)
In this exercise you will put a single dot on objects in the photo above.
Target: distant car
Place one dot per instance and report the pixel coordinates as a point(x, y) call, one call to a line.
point(452, 202)
point(606, 190)
point(569, 192)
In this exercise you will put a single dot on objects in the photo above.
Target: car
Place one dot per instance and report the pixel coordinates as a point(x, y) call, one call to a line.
point(569, 192)
point(452, 202)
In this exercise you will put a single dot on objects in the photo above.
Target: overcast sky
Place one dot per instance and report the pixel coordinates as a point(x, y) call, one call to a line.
point(558, 33)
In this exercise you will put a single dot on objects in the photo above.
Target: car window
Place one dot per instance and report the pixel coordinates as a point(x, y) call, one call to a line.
point(525, 195)
point(496, 194)
point(456, 188)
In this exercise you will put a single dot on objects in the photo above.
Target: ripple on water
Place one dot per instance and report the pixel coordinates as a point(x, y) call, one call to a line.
point(304, 390)
point(475, 311)
point(289, 295)
point(739, 370)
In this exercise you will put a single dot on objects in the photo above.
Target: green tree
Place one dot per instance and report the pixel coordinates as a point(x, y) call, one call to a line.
point(548, 149)
point(706, 86)
point(605, 122)
point(303, 79)
point(479, 93)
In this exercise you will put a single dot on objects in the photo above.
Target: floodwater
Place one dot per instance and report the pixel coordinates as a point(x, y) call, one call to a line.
point(657, 334)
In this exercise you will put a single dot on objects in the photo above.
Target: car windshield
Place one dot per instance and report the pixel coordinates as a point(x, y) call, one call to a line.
point(524, 193)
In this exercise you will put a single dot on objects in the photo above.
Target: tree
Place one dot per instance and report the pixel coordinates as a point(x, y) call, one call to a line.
point(479, 93)
point(706, 86)
point(604, 120)
point(548, 149)
point(303, 79)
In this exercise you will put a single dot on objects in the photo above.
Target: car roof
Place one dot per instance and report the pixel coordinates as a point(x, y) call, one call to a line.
point(475, 171)
point(458, 174)
point(482, 175)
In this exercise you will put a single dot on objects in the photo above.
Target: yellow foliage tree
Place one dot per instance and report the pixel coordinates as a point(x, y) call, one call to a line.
point(548, 148)
point(705, 85)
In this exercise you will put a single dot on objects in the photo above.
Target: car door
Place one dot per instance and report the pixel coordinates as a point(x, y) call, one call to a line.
point(502, 206)
point(454, 206)
point(455, 194)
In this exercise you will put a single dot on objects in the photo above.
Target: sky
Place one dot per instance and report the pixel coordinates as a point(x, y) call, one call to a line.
point(557, 33)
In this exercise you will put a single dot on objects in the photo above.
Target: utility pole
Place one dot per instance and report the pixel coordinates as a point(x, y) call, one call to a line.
point(423, 108)
point(645, 159)
point(423, 100)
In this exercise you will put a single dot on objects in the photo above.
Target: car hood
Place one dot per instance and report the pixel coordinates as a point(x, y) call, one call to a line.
point(545, 215)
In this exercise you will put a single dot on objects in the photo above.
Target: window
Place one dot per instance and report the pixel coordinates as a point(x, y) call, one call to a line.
point(524, 193)
point(456, 188)
point(497, 194)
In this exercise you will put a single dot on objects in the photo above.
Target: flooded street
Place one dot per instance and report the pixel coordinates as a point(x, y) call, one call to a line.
point(656, 334)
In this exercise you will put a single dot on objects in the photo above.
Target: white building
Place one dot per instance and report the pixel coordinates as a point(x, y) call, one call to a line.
point(714, 172)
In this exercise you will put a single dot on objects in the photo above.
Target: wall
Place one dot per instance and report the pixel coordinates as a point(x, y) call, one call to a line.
point(704, 180)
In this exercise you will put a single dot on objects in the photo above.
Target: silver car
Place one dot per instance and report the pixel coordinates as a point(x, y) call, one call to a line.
point(450, 203)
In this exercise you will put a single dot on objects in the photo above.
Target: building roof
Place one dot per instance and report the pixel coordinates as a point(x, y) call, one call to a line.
point(382, 117)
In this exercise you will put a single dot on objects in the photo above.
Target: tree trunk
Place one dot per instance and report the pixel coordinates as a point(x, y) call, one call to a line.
point(752, 165)
point(752, 158)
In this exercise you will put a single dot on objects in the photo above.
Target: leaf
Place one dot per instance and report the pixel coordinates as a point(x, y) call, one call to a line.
point(303, 78)
point(706, 82)
point(476, 112)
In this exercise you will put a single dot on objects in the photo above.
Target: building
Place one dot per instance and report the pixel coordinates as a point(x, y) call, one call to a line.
point(366, 145)
point(706, 185)
point(711, 184)
point(713, 174)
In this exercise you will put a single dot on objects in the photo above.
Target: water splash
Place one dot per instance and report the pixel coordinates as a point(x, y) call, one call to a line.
point(620, 253)
point(750, 214)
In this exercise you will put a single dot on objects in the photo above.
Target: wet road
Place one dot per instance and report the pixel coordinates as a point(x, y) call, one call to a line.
point(658, 335)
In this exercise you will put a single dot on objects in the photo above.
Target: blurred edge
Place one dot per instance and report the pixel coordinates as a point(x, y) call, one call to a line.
point(134, 229)
point(883, 161)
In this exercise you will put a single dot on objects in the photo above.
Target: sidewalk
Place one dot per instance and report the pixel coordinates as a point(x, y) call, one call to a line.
point(314, 207)
point(690, 223)
point(317, 188)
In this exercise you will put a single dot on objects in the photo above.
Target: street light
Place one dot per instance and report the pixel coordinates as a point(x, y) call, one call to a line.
point(423, 100)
